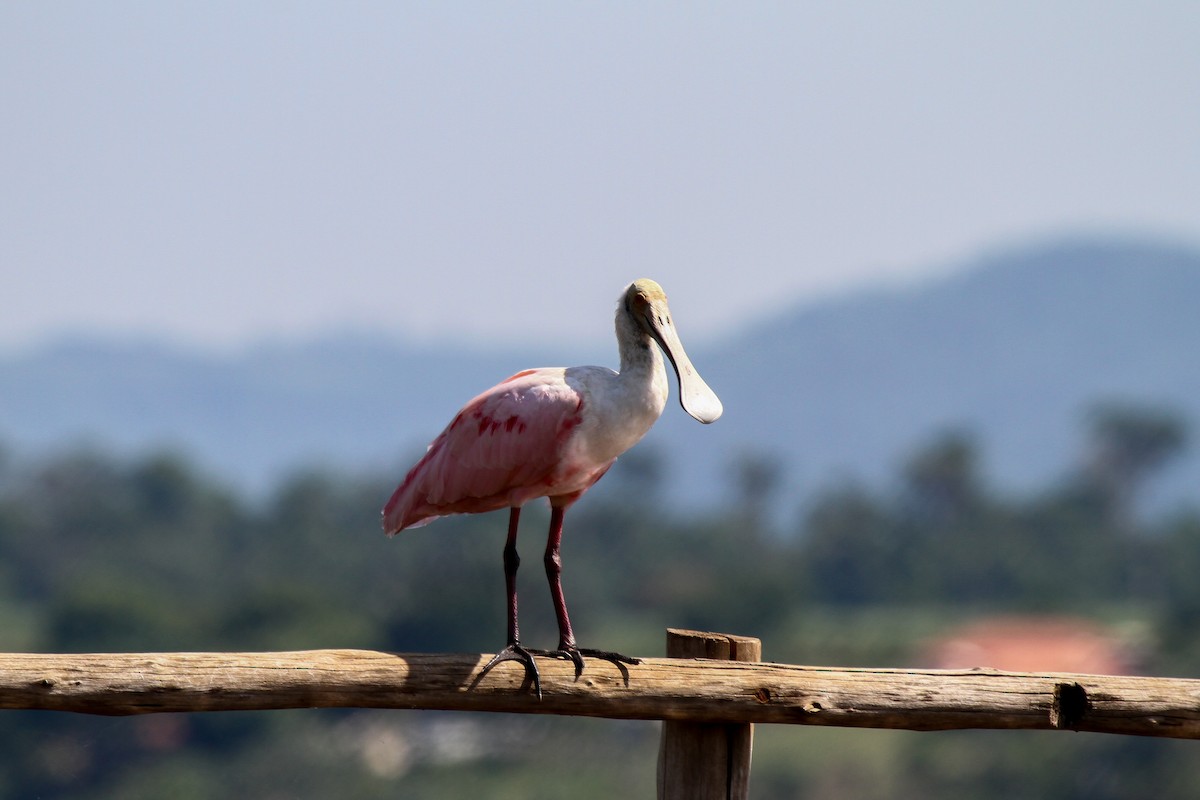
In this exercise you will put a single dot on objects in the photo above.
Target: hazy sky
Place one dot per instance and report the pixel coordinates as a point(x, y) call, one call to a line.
point(217, 172)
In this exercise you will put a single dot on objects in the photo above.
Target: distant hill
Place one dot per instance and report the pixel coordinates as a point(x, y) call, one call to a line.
point(347, 403)
point(1013, 348)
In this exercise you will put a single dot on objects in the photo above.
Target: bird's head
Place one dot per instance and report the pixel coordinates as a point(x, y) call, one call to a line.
point(646, 303)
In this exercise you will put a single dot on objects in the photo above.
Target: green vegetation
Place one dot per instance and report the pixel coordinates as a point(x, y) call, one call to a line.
point(98, 554)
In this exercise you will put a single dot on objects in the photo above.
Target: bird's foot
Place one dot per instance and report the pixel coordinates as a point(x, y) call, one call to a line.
point(575, 656)
point(515, 652)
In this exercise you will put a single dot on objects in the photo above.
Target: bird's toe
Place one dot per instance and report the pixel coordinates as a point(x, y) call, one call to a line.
point(608, 655)
point(571, 654)
point(515, 652)
point(575, 656)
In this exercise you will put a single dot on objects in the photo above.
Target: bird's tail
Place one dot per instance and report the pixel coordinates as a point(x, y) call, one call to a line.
point(398, 511)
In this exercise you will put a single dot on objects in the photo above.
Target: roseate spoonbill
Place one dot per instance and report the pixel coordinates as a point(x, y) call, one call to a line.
point(552, 433)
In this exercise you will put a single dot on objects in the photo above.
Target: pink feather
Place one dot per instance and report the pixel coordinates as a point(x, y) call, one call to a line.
point(508, 445)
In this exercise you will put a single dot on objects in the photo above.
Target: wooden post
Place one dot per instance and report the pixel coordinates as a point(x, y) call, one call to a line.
point(704, 760)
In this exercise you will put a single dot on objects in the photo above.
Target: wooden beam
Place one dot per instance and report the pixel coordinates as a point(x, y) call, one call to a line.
point(658, 688)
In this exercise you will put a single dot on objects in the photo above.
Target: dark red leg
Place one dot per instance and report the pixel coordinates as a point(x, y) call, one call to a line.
point(553, 561)
point(567, 649)
point(512, 561)
point(514, 651)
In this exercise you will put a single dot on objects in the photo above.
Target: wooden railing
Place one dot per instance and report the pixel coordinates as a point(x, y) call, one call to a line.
point(730, 691)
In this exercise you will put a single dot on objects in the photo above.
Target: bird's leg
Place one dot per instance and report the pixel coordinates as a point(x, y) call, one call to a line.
point(553, 560)
point(512, 562)
point(513, 651)
point(567, 649)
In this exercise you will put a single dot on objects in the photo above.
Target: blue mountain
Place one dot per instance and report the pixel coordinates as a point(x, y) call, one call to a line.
point(1013, 348)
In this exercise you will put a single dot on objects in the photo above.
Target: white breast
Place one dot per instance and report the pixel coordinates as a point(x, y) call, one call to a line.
point(618, 409)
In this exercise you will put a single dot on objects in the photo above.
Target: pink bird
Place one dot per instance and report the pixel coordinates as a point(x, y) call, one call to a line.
point(552, 432)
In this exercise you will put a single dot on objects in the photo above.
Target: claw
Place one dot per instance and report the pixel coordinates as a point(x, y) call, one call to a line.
point(575, 656)
point(514, 652)
point(610, 656)
point(615, 658)
point(571, 654)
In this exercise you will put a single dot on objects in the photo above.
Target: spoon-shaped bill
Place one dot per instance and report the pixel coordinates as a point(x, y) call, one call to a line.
point(694, 395)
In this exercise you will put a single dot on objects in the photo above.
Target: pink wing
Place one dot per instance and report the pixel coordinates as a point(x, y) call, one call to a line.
point(505, 447)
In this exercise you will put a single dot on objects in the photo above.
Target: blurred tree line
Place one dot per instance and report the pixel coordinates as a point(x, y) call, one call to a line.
point(101, 554)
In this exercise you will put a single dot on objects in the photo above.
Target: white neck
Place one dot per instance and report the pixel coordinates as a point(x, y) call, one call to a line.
point(640, 357)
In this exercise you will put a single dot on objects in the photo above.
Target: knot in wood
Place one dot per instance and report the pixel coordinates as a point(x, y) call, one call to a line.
point(814, 705)
point(1069, 706)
